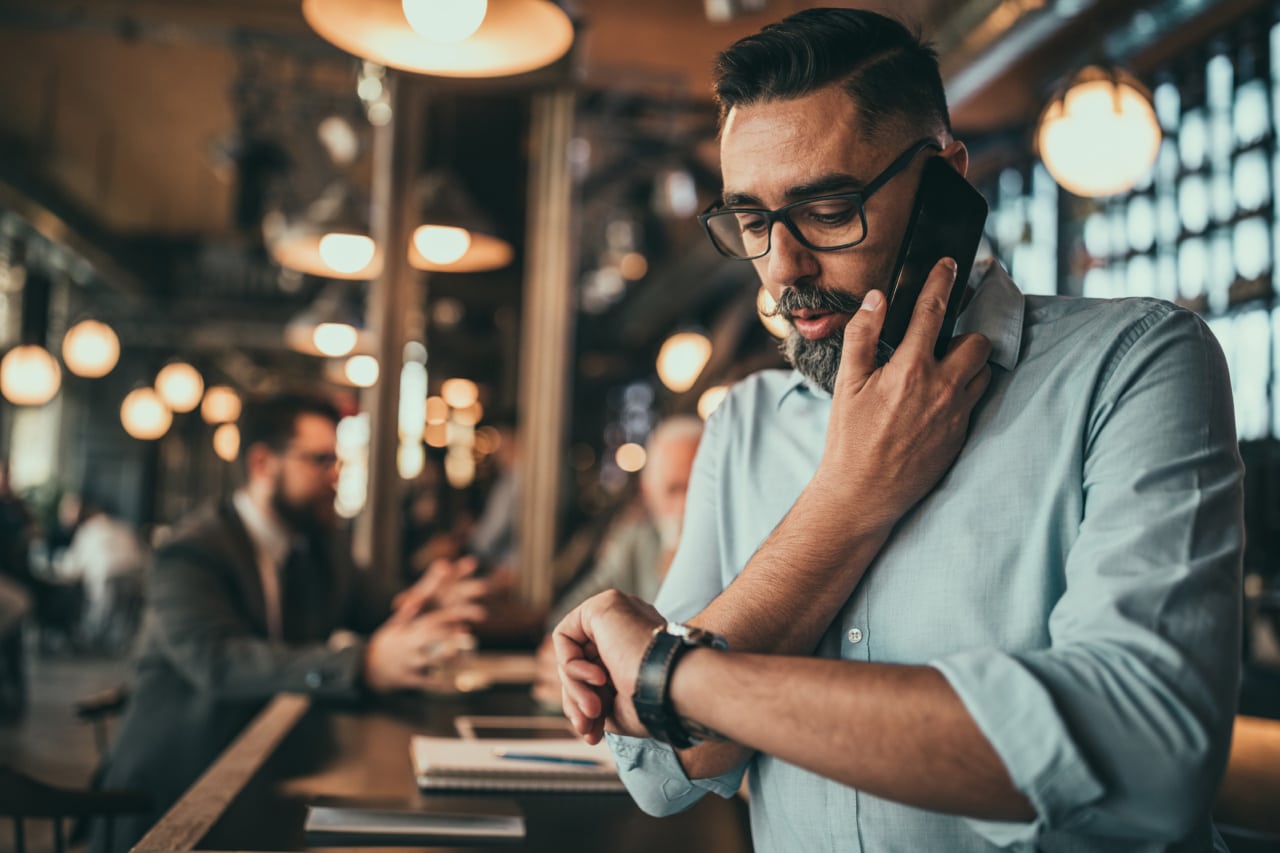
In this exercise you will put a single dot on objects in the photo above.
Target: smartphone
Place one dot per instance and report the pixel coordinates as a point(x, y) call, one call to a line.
point(946, 221)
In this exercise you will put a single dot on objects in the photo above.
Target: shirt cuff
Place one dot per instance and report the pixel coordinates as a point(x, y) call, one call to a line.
point(1018, 717)
point(656, 780)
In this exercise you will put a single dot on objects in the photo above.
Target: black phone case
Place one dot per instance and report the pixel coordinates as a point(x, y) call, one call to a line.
point(946, 221)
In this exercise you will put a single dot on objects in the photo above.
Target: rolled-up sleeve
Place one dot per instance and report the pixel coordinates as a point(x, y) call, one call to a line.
point(1121, 727)
point(650, 770)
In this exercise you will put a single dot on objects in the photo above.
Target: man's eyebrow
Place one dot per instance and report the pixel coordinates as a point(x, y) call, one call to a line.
point(822, 186)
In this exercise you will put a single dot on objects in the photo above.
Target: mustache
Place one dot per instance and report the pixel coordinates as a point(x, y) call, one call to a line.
point(815, 298)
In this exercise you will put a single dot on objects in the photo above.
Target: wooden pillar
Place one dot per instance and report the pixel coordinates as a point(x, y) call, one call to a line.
point(395, 301)
point(545, 341)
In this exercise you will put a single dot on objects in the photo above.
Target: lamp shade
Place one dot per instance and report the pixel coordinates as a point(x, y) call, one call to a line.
point(145, 415)
point(331, 326)
point(90, 349)
point(180, 386)
point(330, 238)
point(681, 359)
point(455, 236)
point(422, 36)
point(29, 375)
point(1101, 135)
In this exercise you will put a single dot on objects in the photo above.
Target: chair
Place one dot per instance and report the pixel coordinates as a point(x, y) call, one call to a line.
point(100, 707)
point(22, 797)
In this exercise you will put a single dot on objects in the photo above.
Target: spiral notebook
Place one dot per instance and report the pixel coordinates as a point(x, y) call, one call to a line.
point(568, 765)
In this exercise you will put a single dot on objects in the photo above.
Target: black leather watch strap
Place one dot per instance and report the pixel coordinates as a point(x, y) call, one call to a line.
point(651, 699)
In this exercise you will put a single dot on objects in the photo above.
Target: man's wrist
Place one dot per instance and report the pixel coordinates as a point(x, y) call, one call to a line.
point(668, 644)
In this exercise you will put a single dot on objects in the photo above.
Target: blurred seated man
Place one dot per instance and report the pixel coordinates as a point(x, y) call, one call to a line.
point(638, 548)
point(107, 557)
point(244, 602)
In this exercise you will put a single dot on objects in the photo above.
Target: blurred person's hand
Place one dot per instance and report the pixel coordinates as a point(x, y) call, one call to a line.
point(401, 652)
point(546, 685)
point(445, 583)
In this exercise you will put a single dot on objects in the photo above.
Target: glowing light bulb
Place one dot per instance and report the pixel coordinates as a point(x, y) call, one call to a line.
point(29, 376)
point(681, 359)
point(630, 457)
point(711, 400)
point(445, 20)
point(334, 339)
point(459, 393)
point(442, 244)
point(221, 405)
point(437, 410)
point(362, 371)
point(226, 442)
point(144, 415)
point(766, 308)
point(180, 386)
point(347, 253)
point(90, 349)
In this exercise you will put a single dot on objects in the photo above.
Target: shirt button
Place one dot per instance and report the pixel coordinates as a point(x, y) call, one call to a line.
point(855, 635)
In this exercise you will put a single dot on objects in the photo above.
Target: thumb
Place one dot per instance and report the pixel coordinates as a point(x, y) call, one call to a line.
point(861, 334)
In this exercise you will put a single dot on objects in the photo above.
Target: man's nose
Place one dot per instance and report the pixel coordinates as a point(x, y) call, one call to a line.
point(789, 259)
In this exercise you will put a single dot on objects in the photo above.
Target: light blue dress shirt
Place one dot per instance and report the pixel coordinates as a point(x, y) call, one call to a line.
point(1075, 576)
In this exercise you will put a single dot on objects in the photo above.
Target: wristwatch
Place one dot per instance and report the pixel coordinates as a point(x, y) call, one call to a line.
point(651, 698)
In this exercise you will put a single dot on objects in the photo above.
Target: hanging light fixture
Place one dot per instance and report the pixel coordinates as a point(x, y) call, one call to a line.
point(90, 349)
point(180, 386)
point(144, 415)
point(681, 359)
point(221, 405)
point(330, 326)
point(459, 393)
point(226, 442)
point(446, 38)
point(29, 374)
point(454, 235)
point(1101, 135)
point(330, 239)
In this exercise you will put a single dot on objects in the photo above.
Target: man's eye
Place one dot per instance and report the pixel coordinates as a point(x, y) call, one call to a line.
point(752, 223)
point(830, 213)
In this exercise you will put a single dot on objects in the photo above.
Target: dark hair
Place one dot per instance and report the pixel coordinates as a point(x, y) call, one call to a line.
point(890, 73)
point(273, 420)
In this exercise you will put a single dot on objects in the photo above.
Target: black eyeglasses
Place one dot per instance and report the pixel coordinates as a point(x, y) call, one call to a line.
point(319, 460)
point(823, 223)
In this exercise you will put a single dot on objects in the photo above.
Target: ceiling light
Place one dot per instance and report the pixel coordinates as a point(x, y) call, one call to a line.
point(90, 349)
point(630, 457)
point(711, 400)
point(442, 244)
point(346, 253)
point(221, 405)
point(455, 236)
point(180, 386)
point(29, 375)
point(226, 442)
point(144, 415)
point(459, 393)
point(334, 339)
point(330, 326)
point(681, 359)
point(1101, 136)
point(428, 36)
point(362, 371)
point(329, 239)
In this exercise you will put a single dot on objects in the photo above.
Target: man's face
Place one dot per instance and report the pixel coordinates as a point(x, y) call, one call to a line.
point(307, 475)
point(778, 152)
point(666, 486)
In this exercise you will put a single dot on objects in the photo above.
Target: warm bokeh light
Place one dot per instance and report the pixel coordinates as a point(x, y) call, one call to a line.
point(632, 266)
point(437, 410)
point(410, 459)
point(445, 20)
point(347, 253)
point(711, 400)
point(226, 442)
point(488, 439)
point(765, 306)
point(180, 386)
point(145, 415)
point(459, 393)
point(361, 371)
point(335, 339)
point(470, 415)
point(460, 468)
point(681, 359)
point(436, 434)
point(29, 376)
point(90, 349)
point(221, 405)
point(442, 244)
point(630, 457)
point(1101, 137)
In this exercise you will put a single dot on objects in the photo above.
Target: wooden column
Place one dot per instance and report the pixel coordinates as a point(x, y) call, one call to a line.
point(545, 341)
point(395, 300)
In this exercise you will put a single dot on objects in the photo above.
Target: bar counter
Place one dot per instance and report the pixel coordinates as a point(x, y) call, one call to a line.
point(295, 752)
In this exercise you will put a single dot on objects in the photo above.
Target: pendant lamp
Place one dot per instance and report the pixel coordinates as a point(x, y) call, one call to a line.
point(331, 326)
point(29, 374)
point(446, 38)
point(329, 239)
point(454, 235)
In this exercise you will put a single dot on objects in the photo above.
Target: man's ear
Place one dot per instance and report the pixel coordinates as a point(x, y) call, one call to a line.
point(957, 155)
point(261, 461)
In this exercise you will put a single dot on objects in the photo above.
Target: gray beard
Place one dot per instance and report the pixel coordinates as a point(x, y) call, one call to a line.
point(818, 361)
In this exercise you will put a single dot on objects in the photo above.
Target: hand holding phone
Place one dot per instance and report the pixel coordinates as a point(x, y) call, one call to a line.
point(946, 221)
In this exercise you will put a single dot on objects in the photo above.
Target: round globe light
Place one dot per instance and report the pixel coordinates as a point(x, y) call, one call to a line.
point(335, 339)
point(226, 442)
point(711, 400)
point(459, 393)
point(1102, 136)
point(145, 415)
point(630, 457)
point(221, 405)
point(681, 359)
point(361, 371)
point(445, 20)
point(29, 376)
point(180, 386)
point(90, 349)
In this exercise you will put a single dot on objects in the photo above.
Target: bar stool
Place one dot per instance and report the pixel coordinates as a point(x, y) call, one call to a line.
point(22, 797)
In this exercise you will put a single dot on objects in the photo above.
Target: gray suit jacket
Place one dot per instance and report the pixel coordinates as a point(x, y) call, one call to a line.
point(206, 665)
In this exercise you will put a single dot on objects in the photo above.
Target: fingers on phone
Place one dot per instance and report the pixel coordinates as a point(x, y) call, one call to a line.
point(931, 307)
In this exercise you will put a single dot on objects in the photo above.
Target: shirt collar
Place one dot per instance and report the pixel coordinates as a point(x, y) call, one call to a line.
point(996, 310)
point(270, 537)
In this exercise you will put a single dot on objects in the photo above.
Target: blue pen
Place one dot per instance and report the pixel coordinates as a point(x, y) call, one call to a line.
point(550, 759)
